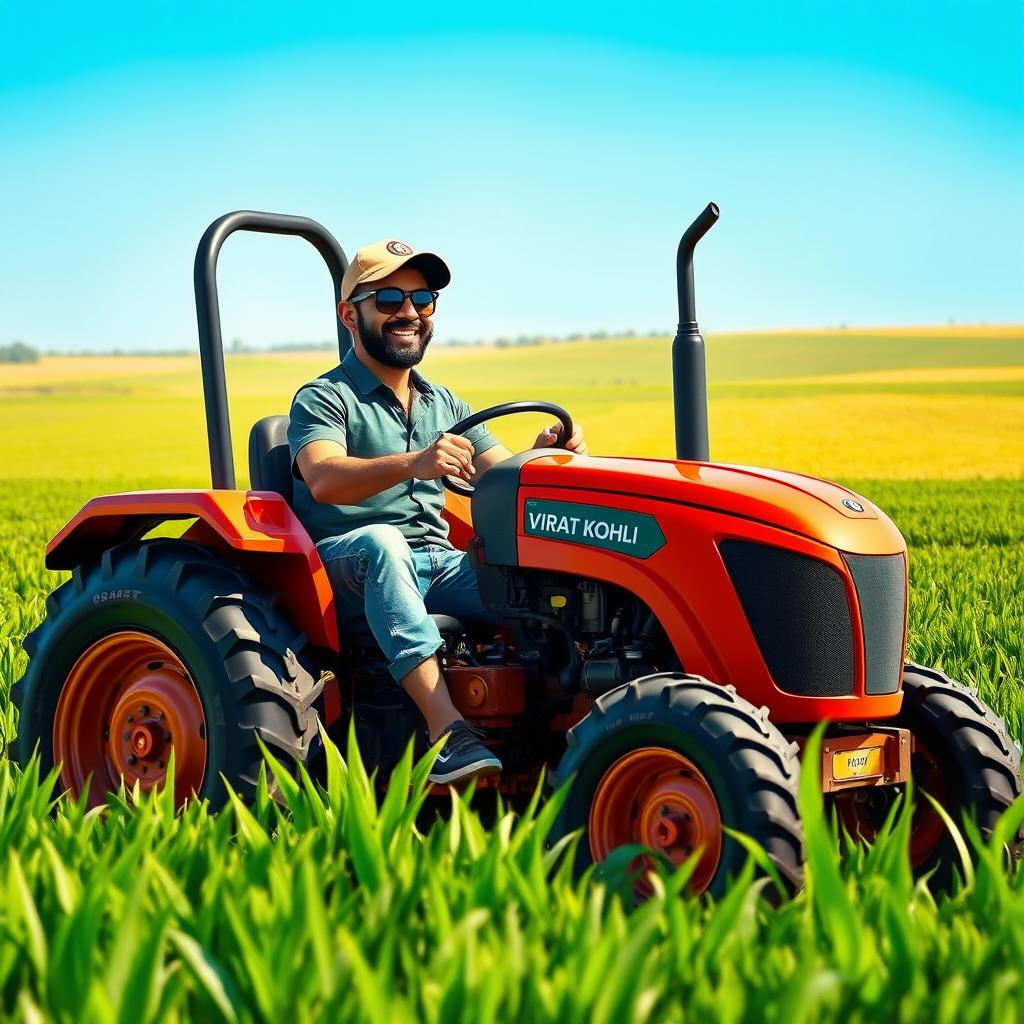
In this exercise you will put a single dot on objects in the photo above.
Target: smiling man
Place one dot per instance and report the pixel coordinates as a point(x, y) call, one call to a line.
point(369, 446)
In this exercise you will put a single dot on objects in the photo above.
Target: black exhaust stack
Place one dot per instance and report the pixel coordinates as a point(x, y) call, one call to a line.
point(689, 376)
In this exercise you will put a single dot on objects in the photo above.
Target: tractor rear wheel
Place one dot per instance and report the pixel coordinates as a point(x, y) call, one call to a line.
point(670, 761)
point(163, 646)
point(963, 757)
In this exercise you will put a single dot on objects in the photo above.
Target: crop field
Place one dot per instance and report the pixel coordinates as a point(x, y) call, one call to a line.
point(333, 908)
point(827, 404)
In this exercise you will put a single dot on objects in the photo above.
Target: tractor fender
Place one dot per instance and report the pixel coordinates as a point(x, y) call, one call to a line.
point(255, 530)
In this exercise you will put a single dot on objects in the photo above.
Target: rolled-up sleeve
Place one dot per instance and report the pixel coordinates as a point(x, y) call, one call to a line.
point(479, 436)
point(317, 414)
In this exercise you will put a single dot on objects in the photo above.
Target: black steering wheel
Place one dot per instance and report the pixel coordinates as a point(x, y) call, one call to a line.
point(505, 409)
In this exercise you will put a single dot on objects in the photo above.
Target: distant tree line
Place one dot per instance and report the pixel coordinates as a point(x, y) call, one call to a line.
point(238, 347)
point(522, 340)
point(18, 352)
point(550, 339)
point(100, 353)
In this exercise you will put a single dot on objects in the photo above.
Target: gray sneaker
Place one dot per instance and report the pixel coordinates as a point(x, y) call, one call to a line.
point(463, 756)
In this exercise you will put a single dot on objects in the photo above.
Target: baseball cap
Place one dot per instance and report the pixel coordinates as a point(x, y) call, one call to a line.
point(372, 262)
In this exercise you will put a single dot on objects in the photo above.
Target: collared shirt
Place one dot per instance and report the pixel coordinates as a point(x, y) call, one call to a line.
point(351, 405)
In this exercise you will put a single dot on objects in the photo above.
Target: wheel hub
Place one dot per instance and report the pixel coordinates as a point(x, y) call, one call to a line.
point(127, 703)
point(660, 799)
point(143, 740)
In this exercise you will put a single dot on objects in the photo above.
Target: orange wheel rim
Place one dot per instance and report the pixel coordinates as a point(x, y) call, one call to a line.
point(127, 703)
point(659, 798)
point(927, 828)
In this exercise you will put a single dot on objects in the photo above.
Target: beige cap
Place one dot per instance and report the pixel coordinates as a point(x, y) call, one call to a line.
point(373, 262)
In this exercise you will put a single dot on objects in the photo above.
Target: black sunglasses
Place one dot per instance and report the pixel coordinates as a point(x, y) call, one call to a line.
point(391, 300)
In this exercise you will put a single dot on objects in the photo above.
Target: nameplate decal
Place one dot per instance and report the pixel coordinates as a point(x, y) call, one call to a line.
point(629, 533)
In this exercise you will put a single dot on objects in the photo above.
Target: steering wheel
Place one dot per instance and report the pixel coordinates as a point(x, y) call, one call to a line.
point(505, 409)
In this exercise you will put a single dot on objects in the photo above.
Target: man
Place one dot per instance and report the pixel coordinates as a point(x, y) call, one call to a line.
point(369, 448)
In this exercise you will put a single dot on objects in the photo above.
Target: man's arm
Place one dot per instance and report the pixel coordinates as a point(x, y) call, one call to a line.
point(495, 454)
point(499, 453)
point(337, 478)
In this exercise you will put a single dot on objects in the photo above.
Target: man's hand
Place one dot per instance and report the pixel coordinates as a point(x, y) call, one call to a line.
point(549, 437)
point(449, 455)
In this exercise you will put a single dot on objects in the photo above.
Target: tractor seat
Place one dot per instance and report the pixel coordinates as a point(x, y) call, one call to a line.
point(448, 625)
point(359, 644)
point(270, 461)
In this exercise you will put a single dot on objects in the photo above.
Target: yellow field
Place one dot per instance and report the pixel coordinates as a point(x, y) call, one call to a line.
point(881, 436)
point(917, 375)
point(69, 372)
point(910, 331)
point(944, 402)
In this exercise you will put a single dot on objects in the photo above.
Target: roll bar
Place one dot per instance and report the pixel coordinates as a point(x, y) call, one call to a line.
point(211, 345)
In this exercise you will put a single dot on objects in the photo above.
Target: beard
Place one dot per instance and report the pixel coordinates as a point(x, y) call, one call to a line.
point(389, 351)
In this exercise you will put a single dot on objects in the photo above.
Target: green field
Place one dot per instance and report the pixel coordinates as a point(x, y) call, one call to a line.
point(335, 910)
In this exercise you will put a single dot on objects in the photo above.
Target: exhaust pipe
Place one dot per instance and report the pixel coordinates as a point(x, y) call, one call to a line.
point(689, 375)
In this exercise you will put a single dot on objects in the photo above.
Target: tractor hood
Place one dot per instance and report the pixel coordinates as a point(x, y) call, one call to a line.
point(805, 505)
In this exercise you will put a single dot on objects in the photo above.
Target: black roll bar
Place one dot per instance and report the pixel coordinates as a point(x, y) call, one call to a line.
point(211, 345)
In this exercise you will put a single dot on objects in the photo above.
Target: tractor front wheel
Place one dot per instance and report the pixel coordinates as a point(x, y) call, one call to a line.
point(163, 646)
point(670, 762)
point(962, 757)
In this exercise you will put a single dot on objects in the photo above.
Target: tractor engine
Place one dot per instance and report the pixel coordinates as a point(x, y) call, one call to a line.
point(563, 636)
point(492, 696)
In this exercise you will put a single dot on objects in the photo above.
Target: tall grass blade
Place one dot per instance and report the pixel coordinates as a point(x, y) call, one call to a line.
point(209, 978)
point(828, 895)
point(19, 899)
point(958, 839)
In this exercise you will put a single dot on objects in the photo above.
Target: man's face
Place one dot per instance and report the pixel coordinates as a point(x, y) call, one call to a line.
point(399, 339)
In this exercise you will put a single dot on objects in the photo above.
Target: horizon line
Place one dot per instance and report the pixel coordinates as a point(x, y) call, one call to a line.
point(1000, 329)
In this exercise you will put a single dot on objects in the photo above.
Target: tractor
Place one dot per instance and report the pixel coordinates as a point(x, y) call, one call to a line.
point(672, 630)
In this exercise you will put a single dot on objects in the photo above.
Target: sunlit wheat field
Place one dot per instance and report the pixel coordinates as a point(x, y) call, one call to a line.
point(332, 907)
point(829, 404)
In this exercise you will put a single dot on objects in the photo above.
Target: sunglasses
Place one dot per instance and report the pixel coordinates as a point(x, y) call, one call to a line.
point(391, 300)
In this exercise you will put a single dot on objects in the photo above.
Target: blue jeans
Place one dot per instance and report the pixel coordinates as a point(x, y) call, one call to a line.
point(379, 580)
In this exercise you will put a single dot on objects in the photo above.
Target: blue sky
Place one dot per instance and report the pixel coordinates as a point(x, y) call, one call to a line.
point(868, 160)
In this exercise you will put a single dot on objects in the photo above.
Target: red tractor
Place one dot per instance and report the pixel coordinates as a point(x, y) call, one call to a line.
point(672, 631)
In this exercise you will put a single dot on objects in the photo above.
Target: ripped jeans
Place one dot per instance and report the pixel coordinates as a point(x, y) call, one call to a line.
point(379, 580)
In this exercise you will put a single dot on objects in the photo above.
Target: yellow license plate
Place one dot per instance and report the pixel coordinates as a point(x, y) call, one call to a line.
point(860, 763)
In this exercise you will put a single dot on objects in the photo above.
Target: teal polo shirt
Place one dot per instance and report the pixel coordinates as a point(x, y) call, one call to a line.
point(351, 405)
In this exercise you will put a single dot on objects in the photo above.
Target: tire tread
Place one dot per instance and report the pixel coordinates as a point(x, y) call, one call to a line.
point(747, 736)
point(266, 672)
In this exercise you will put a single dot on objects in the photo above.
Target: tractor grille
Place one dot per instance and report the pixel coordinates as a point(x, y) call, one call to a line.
point(799, 615)
point(881, 590)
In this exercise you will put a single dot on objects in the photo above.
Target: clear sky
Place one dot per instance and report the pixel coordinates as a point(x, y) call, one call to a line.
point(868, 159)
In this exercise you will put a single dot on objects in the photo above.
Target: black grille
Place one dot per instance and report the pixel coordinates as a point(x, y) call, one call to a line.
point(881, 590)
point(799, 615)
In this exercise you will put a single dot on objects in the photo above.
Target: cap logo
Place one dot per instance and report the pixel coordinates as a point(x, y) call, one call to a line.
point(399, 248)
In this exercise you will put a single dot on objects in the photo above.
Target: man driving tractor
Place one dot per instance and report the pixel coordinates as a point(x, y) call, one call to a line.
point(369, 446)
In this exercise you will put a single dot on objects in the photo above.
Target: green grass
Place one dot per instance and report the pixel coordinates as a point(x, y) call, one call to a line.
point(333, 909)
point(752, 356)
